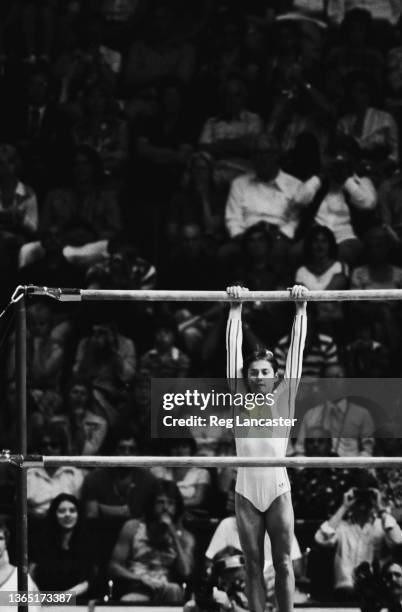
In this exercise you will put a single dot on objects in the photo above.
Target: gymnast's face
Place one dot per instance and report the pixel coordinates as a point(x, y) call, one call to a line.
point(261, 376)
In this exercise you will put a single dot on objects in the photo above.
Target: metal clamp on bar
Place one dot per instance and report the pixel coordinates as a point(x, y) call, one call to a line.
point(7, 457)
point(56, 293)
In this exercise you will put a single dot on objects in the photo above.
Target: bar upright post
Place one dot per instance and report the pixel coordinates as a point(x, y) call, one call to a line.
point(22, 509)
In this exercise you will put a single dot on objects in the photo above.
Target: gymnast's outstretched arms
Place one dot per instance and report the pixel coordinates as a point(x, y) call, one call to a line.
point(234, 338)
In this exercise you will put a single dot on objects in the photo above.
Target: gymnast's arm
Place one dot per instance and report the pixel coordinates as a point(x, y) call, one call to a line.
point(294, 359)
point(234, 340)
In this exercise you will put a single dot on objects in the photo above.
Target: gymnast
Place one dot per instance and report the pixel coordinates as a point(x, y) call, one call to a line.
point(263, 501)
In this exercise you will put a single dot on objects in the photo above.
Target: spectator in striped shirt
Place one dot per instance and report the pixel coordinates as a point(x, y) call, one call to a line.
point(164, 359)
point(320, 351)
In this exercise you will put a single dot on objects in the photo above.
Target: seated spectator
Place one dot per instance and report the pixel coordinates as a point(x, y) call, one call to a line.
point(118, 15)
point(356, 51)
point(389, 479)
point(158, 55)
point(152, 558)
point(393, 77)
point(199, 201)
point(320, 351)
point(38, 29)
point(342, 201)
point(379, 273)
point(358, 530)
point(101, 127)
point(301, 109)
point(386, 10)
point(322, 270)
point(165, 360)
point(122, 268)
point(10, 14)
point(374, 130)
point(77, 402)
point(230, 135)
point(45, 350)
point(389, 196)
point(225, 54)
point(194, 483)
point(258, 270)
point(139, 414)
point(9, 573)
point(92, 435)
point(63, 559)
point(265, 195)
point(163, 145)
point(86, 60)
point(285, 61)
point(351, 425)
point(190, 263)
point(105, 356)
point(120, 492)
point(40, 130)
point(392, 576)
point(85, 216)
point(18, 212)
point(316, 491)
point(52, 269)
point(364, 356)
point(46, 483)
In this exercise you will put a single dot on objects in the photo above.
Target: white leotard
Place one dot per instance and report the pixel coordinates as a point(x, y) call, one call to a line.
point(262, 485)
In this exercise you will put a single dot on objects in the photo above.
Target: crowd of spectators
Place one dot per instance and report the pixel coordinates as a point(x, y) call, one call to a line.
point(150, 144)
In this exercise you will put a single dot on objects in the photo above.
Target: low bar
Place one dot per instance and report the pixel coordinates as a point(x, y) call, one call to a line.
point(145, 295)
point(209, 462)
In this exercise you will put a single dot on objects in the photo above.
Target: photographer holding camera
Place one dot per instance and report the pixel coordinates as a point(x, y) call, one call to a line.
point(358, 530)
point(222, 587)
point(343, 199)
point(378, 589)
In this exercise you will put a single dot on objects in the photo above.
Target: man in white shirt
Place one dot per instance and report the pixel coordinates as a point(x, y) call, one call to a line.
point(351, 426)
point(266, 195)
point(358, 530)
point(339, 200)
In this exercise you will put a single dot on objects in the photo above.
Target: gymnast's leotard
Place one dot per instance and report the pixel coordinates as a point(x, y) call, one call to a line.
point(262, 485)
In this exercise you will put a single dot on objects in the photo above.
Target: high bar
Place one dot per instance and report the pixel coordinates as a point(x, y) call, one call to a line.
point(211, 462)
point(162, 295)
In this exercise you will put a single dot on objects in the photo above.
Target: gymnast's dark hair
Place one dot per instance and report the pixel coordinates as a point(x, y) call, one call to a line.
point(260, 354)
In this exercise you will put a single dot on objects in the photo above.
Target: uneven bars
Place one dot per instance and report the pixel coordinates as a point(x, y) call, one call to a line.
point(209, 462)
point(93, 295)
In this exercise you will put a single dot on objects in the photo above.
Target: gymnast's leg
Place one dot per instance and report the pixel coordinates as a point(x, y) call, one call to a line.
point(279, 521)
point(251, 525)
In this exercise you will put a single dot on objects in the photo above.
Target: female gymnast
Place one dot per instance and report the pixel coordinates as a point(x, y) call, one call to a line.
point(263, 500)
